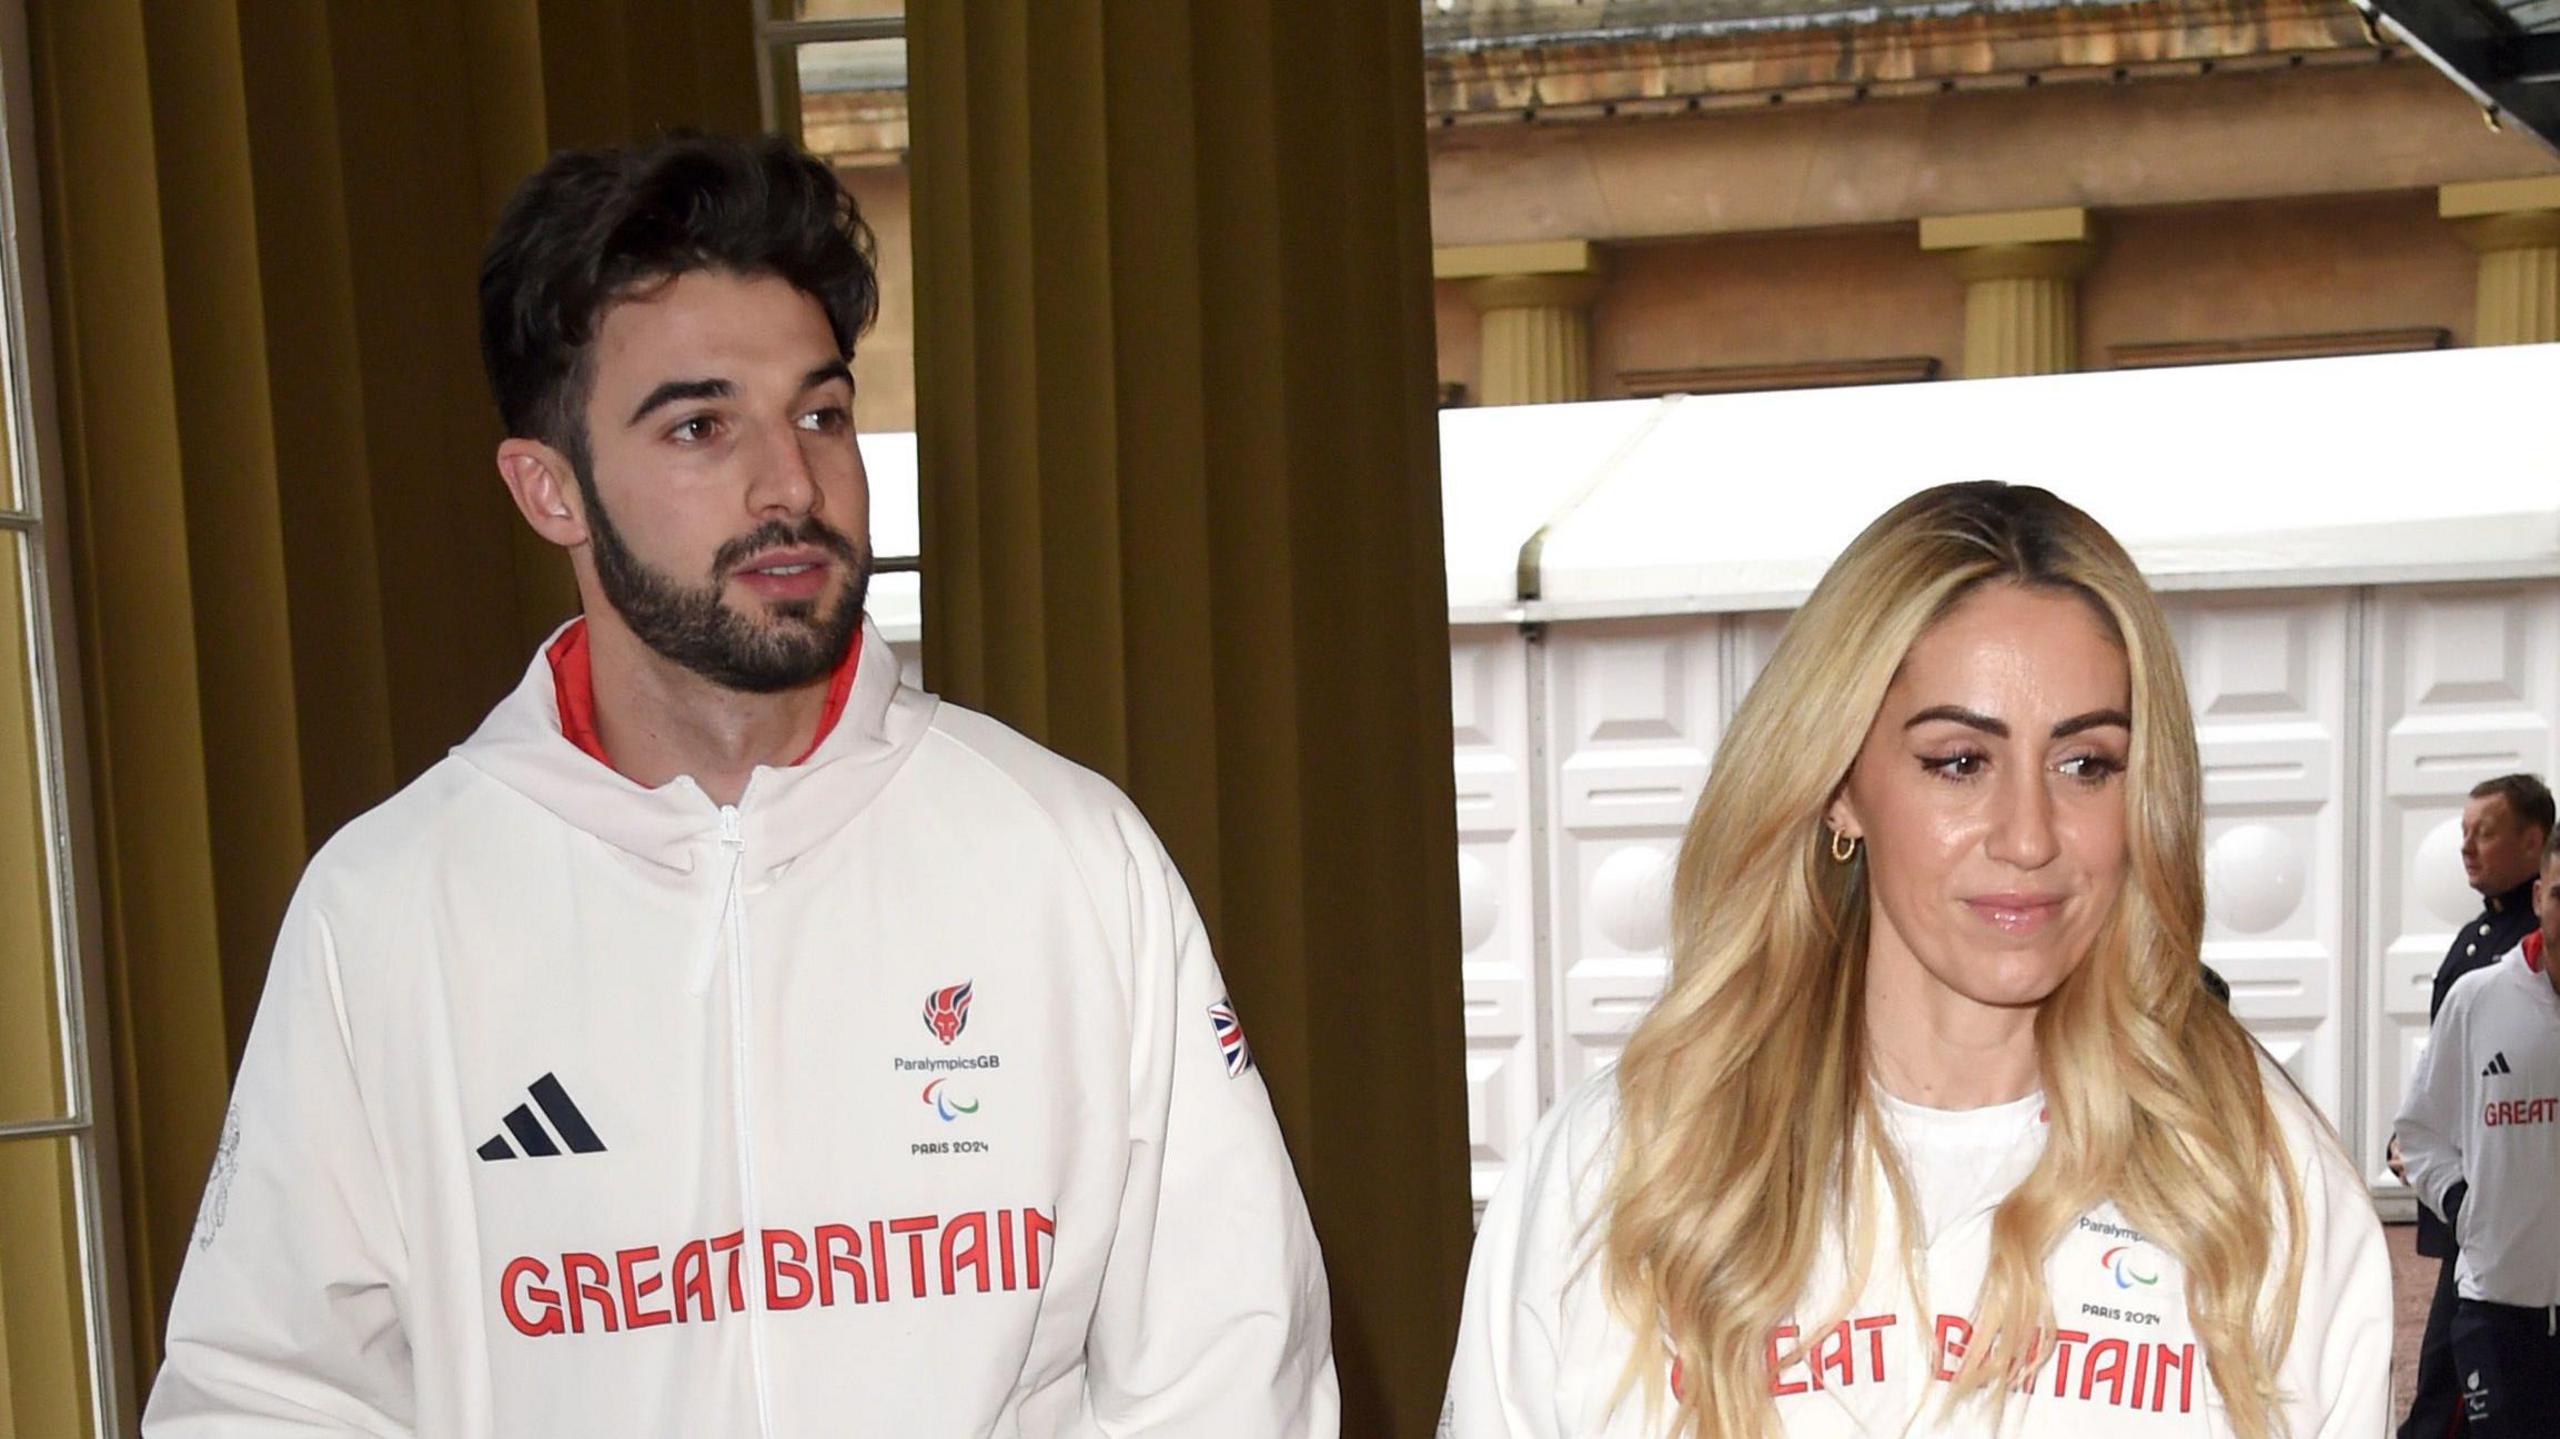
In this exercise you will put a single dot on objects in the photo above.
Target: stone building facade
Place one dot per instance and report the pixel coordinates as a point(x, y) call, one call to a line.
point(1637, 197)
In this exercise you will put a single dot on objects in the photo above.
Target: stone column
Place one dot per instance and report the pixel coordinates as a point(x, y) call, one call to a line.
point(2021, 271)
point(1181, 502)
point(2515, 225)
point(1534, 345)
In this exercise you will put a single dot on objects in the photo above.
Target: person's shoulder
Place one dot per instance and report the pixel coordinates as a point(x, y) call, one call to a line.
point(967, 746)
point(390, 839)
point(2470, 985)
point(2311, 1142)
point(1569, 1153)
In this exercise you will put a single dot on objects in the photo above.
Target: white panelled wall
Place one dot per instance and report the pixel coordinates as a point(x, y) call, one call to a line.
point(2341, 730)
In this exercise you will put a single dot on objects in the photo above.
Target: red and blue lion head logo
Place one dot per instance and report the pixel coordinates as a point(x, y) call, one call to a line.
point(946, 1011)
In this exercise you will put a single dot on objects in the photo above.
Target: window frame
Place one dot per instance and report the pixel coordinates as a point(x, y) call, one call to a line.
point(778, 41)
point(35, 451)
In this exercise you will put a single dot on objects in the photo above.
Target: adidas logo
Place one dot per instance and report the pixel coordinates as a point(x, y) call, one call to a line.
point(2498, 1065)
point(565, 1119)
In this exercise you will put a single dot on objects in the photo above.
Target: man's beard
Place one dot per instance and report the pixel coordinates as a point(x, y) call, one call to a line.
point(692, 626)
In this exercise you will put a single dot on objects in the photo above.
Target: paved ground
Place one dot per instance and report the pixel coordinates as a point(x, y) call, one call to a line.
point(2413, 1282)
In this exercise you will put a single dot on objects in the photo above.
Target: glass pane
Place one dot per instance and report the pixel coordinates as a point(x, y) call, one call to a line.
point(30, 1052)
point(845, 9)
point(853, 114)
point(849, 90)
point(44, 1333)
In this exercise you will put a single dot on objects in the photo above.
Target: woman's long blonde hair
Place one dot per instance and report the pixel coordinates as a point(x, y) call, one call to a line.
point(1749, 1133)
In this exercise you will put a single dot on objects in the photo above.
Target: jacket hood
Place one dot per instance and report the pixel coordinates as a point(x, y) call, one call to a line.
point(784, 811)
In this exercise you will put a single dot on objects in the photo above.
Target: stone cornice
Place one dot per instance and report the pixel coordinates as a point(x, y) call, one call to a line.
point(1666, 71)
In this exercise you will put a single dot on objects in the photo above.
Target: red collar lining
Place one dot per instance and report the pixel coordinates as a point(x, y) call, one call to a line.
point(573, 681)
point(2533, 951)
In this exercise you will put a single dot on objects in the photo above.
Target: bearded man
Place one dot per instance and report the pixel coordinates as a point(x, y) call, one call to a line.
point(728, 1038)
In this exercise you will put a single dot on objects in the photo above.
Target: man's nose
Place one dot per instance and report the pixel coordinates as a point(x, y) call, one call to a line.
point(782, 482)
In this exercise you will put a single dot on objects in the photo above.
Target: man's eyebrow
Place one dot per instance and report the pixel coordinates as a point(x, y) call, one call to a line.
point(677, 391)
point(1999, 728)
point(831, 370)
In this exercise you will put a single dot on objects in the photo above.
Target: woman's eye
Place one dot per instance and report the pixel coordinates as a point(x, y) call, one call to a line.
point(2092, 768)
point(1955, 766)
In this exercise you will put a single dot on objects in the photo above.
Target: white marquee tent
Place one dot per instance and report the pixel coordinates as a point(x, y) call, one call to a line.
point(2361, 557)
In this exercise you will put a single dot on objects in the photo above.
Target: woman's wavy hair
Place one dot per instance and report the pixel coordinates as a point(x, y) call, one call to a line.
point(1750, 1137)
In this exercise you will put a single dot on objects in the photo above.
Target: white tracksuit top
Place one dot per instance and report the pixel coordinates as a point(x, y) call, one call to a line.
point(902, 1099)
point(2484, 1107)
point(1540, 1352)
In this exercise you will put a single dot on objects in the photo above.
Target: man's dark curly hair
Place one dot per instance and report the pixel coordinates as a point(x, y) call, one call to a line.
point(592, 226)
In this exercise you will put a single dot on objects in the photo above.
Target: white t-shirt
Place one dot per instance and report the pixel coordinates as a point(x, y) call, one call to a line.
point(1540, 1352)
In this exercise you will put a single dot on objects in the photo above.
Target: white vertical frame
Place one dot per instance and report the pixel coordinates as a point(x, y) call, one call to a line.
point(1499, 914)
point(1635, 709)
point(2267, 676)
point(34, 454)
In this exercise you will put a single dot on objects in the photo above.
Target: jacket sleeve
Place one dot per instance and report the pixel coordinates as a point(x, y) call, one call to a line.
point(287, 1318)
point(2336, 1379)
point(1213, 1316)
point(2429, 1126)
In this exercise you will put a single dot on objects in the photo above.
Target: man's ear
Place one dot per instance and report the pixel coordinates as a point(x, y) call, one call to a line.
point(545, 490)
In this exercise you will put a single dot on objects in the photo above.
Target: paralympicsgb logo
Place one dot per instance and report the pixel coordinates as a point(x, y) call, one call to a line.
point(946, 1011)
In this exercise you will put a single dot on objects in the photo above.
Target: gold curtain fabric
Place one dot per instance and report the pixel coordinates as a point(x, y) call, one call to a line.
point(297, 579)
point(1181, 521)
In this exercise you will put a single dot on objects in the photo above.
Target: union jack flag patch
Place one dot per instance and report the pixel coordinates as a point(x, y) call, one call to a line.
point(1222, 1018)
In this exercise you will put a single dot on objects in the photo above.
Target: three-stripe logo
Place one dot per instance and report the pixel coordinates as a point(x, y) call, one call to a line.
point(2497, 1065)
point(566, 1121)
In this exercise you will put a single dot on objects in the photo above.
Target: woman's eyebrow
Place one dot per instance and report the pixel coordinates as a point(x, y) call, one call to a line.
point(1971, 719)
point(2094, 719)
point(1999, 728)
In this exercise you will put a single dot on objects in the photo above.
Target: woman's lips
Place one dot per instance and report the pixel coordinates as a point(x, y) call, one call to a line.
point(2016, 913)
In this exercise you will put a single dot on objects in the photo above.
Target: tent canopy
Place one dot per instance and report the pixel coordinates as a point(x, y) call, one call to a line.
point(2360, 470)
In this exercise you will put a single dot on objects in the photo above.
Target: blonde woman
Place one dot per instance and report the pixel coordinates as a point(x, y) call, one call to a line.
point(1935, 1130)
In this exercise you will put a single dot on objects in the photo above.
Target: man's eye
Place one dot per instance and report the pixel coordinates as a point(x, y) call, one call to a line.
point(694, 430)
point(827, 419)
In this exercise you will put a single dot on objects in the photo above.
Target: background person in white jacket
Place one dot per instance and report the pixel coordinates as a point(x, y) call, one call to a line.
point(2479, 1138)
point(1935, 1129)
point(728, 1039)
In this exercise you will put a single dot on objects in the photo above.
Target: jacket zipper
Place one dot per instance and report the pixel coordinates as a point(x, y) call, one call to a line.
point(733, 912)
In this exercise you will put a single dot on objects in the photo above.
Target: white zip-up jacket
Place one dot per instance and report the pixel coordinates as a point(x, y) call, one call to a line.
point(1540, 1352)
point(901, 1099)
point(2483, 1110)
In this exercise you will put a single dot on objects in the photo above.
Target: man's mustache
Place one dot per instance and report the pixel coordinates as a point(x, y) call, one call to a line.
point(780, 534)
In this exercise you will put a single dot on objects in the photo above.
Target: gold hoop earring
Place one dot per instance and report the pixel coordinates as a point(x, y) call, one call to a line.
point(1844, 846)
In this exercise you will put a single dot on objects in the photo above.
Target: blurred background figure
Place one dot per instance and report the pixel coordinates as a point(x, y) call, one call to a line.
point(2504, 829)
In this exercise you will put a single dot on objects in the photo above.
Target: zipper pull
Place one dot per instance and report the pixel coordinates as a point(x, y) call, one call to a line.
point(733, 833)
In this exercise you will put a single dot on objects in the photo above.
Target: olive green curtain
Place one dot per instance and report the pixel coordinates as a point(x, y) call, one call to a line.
point(296, 578)
point(1181, 521)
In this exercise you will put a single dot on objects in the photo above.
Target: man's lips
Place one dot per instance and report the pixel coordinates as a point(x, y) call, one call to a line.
point(2015, 911)
point(793, 574)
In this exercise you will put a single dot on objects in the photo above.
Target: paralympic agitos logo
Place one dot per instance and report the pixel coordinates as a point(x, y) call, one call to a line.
point(948, 1104)
point(2128, 1267)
